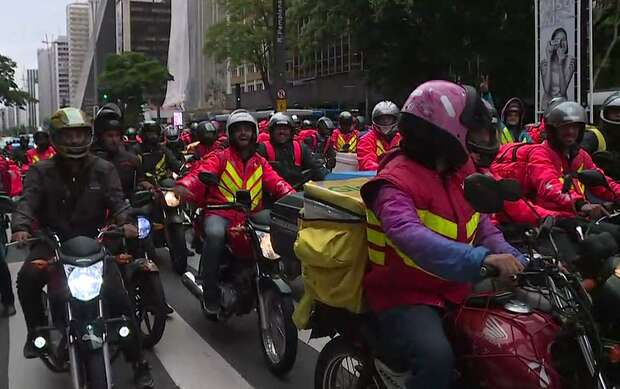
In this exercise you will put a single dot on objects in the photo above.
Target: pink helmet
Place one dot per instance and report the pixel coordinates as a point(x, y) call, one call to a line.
point(440, 103)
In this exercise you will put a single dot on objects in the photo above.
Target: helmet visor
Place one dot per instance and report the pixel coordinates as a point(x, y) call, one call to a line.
point(73, 142)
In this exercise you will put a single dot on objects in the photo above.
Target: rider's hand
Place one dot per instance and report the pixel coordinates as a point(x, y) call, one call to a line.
point(182, 192)
point(507, 265)
point(130, 231)
point(20, 236)
point(595, 211)
point(146, 185)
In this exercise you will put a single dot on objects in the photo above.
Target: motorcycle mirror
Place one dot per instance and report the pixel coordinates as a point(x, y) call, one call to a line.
point(591, 178)
point(141, 198)
point(244, 197)
point(6, 204)
point(511, 190)
point(484, 193)
point(208, 179)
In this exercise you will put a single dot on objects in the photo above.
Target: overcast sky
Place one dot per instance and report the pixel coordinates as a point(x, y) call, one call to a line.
point(24, 25)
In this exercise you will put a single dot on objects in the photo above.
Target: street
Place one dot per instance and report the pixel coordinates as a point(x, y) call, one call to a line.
point(193, 353)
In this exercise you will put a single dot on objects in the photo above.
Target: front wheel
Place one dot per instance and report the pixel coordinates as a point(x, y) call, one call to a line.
point(177, 247)
point(150, 308)
point(94, 363)
point(279, 338)
point(342, 365)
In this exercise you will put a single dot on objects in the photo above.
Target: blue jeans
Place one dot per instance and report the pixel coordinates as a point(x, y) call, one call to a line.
point(412, 338)
point(212, 251)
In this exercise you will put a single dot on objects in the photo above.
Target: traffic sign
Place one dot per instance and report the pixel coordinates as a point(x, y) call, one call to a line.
point(281, 105)
point(281, 94)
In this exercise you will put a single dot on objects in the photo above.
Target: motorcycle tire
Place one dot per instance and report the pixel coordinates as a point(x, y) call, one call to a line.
point(177, 247)
point(151, 314)
point(94, 364)
point(339, 354)
point(280, 354)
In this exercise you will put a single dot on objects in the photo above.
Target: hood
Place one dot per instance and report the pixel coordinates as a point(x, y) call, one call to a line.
point(514, 100)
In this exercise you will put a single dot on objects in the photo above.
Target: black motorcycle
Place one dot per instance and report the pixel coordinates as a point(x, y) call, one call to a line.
point(255, 283)
point(176, 222)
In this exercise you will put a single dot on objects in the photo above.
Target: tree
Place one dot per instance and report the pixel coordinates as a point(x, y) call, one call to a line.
point(245, 37)
point(10, 95)
point(129, 78)
point(606, 29)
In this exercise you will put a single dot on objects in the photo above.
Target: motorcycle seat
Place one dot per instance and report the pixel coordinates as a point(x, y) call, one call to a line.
point(262, 218)
point(81, 251)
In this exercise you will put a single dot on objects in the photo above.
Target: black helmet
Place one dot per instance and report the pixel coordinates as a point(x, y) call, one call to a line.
point(296, 120)
point(612, 102)
point(108, 117)
point(306, 124)
point(149, 126)
point(552, 103)
point(345, 119)
point(361, 122)
point(203, 128)
point(40, 132)
point(325, 124)
point(172, 134)
point(70, 119)
point(562, 114)
point(131, 133)
point(280, 118)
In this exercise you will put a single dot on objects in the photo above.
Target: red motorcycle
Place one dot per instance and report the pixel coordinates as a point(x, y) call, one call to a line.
point(539, 335)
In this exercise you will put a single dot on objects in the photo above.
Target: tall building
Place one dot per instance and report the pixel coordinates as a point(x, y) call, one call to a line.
point(46, 91)
point(60, 56)
point(78, 33)
point(32, 79)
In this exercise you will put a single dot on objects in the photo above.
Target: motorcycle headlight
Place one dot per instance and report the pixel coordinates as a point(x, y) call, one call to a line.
point(85, 282)
point(264, 239)
point(172, 200)
point(144, 227)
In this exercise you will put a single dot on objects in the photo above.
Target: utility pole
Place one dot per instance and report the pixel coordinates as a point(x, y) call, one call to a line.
point(93, 38)
point(279, 71)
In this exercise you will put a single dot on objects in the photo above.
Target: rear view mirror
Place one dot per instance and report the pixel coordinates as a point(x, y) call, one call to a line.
point(484, 193)
point(244, 197)
point(6, 204)
point(591, 178)
point(208, 179)
point(141, 198)
point(511, 189)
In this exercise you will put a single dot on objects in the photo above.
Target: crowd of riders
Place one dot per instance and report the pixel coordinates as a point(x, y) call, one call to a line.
point(82, 171)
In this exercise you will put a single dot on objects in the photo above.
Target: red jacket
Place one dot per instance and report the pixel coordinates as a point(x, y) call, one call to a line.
point(371, 148)
point(545, 170)
point(395, 279)
point(33, 156)
point(340, 140)
point(263, 137)
point(201, 151)
point(311, 139)
point(256, 175)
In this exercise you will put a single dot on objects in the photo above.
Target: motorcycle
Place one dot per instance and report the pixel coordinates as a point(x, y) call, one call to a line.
point(251, 281)
point(79, 336)
point(501, 339)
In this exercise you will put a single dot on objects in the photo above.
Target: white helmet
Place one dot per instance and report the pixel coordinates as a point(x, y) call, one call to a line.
point(385, 108)
point(240, 116)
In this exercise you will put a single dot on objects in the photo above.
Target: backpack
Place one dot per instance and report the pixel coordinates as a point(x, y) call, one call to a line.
point(511, 161)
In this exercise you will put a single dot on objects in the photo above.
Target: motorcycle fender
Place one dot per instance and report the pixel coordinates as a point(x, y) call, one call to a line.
point(277, 283)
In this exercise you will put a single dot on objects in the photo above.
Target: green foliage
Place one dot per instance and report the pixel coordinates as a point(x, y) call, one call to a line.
point(10, 95)
point(606, 20)
point(130, 77)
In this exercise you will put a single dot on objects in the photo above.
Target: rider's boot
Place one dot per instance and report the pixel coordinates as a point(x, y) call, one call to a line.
point(142, 375)
point(30, 352)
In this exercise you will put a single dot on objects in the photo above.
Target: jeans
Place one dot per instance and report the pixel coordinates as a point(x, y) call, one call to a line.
point(212, 251)
point(6, 285)
point(30, 282)
point(412, 338)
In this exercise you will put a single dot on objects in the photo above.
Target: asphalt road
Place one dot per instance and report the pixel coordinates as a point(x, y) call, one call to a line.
point(193, 354)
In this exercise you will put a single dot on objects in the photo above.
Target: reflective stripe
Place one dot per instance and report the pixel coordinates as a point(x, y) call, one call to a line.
point(505, 136)
point(160, 167)
point(234, 175)
point(375, 237)
point(376, 257)
point(257, 175)
point(438, 224)
point(600, 138)
point(472, 224)
point(232, 181)
point(380, 148)
point(353, 143)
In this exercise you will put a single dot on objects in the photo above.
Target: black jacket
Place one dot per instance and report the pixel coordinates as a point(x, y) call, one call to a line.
point(128, 166)
point(70, 206)
point(285, 165)
point(158, 162)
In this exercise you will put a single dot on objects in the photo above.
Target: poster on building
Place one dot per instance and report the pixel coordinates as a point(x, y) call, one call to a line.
point(558, 50)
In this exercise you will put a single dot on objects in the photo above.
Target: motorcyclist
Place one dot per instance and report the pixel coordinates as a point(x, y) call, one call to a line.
point(504, 136)
point(19, 153)
point(362, 125)
point(512, 116)
point(174, 143)
point(72, 194)
point(296, 122)
point(205, 135)
point(237, 167)
point(131, 140)
point(346, 136)
point(552, 167)
point(157, 161)
point(320, 141)
point(382, 137)
point(426, 243)
point(7, 298)
point(289, 156)
point(603, 143)
point(306, 125)
point(42, 151)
